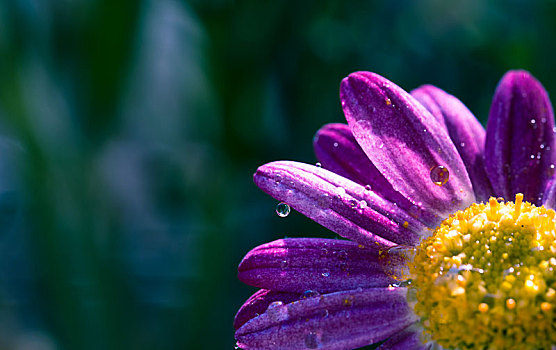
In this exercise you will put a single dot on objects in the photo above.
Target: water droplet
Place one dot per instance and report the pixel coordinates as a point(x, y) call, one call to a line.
point(318, 165)
point(283, 210)
point(362, 204)
point(335, 144)
point(277, 311)
point(353, 203)
point(309, 294)
point(325, 273)
point(278, 178)
point(324, 252)
point(439, 175)
point(340, 191)
point(462, 144)
point(284, 264)
point(414, 211)
point(388, 102)
point(312, 340)
point(368, 188)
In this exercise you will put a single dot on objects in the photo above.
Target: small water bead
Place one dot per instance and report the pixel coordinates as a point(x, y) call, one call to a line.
point(325, 273)
point(368, 188)
point(309, 294)
point(274, 304)
point(277, 311)
point(340, 191)
point(439, 175)
point(362, 204)
point(318, 165)
point(284, 264)
point(388, 102)
point(414, 211)
point(335, 144)
point(283, 210)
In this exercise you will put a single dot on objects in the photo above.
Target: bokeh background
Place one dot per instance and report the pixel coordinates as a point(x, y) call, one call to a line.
point(130, 130)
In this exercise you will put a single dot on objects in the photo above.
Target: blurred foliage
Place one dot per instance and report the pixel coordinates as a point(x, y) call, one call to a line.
point(130, 130)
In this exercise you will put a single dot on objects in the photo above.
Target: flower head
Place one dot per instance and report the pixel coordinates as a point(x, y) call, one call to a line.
point(451, 235)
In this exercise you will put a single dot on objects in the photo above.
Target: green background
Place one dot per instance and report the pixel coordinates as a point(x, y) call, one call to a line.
point(130, 130)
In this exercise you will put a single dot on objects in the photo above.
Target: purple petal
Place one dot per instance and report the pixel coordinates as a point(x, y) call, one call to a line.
point(342, 320)
point(549, 196)
point(338, 151)
point(258, 303)
point(407, 339)
point(322, 265)
point(519, 148)
point(467, 134)
point(405, 142)
point(339, 204)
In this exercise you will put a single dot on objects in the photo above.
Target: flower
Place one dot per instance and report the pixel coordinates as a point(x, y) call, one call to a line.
point(438, 254)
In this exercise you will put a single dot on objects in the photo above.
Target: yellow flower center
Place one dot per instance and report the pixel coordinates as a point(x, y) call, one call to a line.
point(485, 279)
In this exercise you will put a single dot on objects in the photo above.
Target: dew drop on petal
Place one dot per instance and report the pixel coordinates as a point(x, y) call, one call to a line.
point(274, 304)
point(318, 165)
point(284, 264)
point(368, 188)
point(325, 273)
point(309, 294)
point(277, 311)
point(414, 211)
point(362, 204)
point(335, 144)
point(283, 210)
point(439, 175)
point(340, 191)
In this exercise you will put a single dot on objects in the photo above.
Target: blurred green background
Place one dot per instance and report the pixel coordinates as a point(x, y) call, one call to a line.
point(129, 132)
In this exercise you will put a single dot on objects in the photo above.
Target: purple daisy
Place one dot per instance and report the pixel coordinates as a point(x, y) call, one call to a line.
point(438, 254)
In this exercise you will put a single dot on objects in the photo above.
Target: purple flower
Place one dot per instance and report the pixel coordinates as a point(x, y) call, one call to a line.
point(438, 254)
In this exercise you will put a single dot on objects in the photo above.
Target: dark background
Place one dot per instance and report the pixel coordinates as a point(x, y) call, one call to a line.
point(130, 131)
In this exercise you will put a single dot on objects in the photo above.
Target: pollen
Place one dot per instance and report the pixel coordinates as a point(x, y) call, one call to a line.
point(485, 278)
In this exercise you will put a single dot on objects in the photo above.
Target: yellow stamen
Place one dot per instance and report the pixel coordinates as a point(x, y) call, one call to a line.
point(485, 279)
